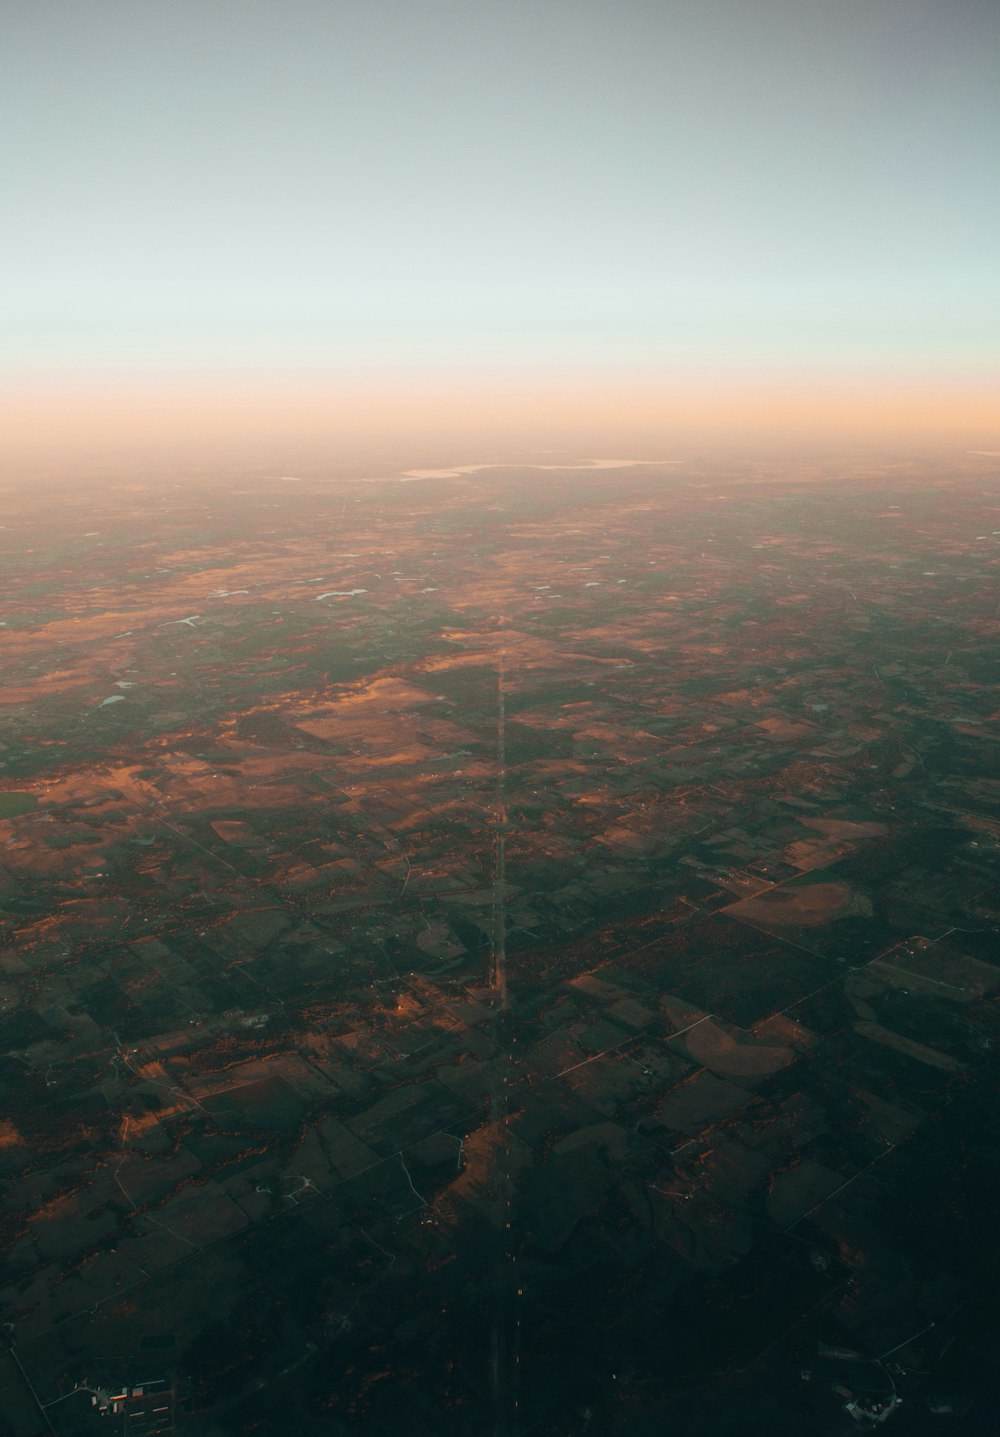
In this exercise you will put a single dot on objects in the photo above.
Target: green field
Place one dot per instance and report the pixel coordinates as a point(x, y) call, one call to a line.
point(13, 804)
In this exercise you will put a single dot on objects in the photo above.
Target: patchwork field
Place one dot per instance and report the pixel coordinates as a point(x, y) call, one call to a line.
point(512, 952)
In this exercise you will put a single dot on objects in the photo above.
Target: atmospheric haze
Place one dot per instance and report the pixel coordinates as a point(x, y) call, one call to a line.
point(498, 775)
point(370, 227)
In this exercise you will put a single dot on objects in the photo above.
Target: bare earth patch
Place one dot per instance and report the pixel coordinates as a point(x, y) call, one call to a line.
point(809, 906)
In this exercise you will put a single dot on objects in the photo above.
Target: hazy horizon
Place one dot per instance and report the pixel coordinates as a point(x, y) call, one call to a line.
point(445, 226)
point(413, 422)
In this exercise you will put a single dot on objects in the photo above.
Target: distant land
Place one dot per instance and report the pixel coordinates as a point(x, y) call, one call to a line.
point(514, 952)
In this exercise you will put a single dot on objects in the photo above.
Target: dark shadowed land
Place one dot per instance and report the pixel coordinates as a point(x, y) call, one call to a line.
point(500, 955)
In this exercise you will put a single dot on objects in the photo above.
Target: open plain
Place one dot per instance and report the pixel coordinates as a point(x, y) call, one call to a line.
point(506, 952)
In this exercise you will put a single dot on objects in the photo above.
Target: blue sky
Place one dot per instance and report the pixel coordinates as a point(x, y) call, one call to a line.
point(713, 184)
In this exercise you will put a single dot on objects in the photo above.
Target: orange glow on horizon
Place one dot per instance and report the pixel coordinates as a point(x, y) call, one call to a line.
point(412, 419)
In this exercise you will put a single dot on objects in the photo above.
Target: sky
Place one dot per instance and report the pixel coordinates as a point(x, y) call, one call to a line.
point(384, 194)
